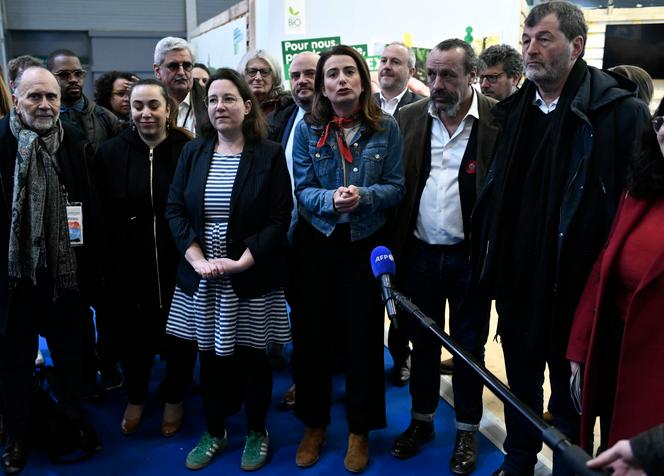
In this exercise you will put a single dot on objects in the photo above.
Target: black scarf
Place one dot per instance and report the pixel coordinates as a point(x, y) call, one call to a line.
point(527, 213)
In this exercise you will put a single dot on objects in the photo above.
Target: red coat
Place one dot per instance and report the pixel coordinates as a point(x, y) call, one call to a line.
point(639, 400)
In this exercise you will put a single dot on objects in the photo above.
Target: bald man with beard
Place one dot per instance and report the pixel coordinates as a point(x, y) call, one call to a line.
point(43, 169)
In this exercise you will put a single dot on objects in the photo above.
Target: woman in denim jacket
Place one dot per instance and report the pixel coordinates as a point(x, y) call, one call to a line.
point(348, 174)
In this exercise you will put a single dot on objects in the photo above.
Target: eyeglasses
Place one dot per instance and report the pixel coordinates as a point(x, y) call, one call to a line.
point(64, 74)
point(121, 94)
point(657, 123)
point(227, 101)
point(252, 72)
point(174, 66)
point(492, 78)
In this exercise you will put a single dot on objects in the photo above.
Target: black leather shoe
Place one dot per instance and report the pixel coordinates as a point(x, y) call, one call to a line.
point(90, 442)
point(401, 373)
point(409, 442)
point(15, 457)
point(464, 455)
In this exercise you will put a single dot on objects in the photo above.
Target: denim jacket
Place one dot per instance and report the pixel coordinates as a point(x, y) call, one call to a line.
point(377, 170)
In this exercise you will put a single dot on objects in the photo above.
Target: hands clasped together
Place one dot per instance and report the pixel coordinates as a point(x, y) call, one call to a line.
point(346, 199)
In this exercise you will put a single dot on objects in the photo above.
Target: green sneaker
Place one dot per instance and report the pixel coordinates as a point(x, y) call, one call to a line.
point(254, 455)
point(207, 448)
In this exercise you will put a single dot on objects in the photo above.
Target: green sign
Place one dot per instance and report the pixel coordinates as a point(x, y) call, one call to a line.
point(361, 49)
point(291, 48)
point(373, 62)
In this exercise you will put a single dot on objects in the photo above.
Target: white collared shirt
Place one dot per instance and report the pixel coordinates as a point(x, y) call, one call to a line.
point(389, 106)
point(539, 102)
point(186, 116)
point(289, 148)
point(439, 220)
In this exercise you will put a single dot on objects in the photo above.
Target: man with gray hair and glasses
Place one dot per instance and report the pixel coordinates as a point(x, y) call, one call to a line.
point(173, 66)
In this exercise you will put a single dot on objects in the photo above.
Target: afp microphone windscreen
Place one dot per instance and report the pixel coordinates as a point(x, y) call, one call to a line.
point(382, 262)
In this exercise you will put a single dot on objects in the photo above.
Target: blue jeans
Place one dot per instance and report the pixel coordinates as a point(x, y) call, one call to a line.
point(525, 375)
point(435, 274)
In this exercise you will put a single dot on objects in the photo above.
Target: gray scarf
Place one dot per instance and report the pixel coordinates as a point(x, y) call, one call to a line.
point(39, 235)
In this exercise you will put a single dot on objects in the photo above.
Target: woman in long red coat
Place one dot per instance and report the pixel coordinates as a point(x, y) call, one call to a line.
point(617, 337)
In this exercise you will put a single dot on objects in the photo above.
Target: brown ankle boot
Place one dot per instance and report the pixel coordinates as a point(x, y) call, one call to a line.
point(357, 456)
point(308, 453)
point(172, 419)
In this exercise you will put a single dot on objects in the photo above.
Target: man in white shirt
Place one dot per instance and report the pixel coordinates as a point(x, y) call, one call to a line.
point(397, 66)
point(448, 141)
point(173, 66)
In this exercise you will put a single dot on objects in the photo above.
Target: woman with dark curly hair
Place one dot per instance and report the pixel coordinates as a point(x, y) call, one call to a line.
point(617, 341)
point(112, 92)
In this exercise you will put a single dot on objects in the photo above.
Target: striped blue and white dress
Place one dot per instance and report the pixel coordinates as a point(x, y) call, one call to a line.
point(214, 316)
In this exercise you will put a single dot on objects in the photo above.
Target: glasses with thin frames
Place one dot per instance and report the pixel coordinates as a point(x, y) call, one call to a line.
point(657, 123)
point(65, 74)
point(252, 72)
point(492, 78)
point(174, 66)
point(228, 101)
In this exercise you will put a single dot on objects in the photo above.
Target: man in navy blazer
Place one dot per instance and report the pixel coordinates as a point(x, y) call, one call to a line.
point(397, 66)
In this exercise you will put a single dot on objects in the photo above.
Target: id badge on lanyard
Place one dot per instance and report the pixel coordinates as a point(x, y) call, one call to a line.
point(75, 223)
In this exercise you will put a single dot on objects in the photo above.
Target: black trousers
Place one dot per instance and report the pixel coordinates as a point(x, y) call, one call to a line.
point(33, 312)
point(338, 293)
point(434, 274)
point(228, 382)
point(524, 367)
point(140, 338)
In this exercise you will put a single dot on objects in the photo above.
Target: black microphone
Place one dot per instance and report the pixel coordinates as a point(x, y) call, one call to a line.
point(382, 265)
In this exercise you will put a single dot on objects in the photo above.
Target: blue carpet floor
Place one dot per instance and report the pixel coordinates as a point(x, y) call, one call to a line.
point(148, 453)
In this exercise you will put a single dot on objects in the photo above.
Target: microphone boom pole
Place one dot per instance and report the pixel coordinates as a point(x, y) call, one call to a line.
point(573, 456)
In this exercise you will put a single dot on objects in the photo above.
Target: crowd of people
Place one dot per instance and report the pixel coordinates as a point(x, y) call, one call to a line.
point(213, 215)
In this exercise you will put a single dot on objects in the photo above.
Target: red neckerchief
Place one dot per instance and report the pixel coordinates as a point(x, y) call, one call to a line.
point(339, 123)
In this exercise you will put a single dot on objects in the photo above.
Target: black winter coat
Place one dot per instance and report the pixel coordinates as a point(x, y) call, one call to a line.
point(75, 160)
point(133, 186)
point(609, 118)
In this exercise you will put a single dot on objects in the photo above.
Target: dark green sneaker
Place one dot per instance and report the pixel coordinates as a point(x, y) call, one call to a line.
point(254, 455)
point(207, 448)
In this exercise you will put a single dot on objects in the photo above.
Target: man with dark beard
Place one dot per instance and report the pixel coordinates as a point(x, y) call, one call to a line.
point(545, 213)
point(448, 140)
point(44, 175)
point(95, 123)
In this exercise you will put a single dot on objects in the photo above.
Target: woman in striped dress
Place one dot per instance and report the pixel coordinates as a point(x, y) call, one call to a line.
point(229, 210)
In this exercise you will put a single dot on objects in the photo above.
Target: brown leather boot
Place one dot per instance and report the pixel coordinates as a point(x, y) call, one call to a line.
point(308, 453)
point(357, 455)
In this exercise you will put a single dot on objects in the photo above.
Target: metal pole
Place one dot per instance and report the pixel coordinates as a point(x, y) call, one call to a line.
point(574, 457)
